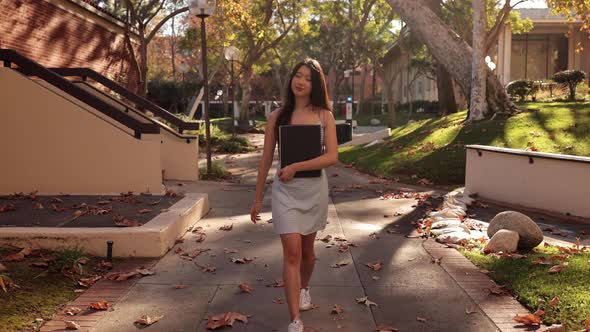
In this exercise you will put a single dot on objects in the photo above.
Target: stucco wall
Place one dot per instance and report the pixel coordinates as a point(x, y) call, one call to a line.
point(553, 185)
point(58, 145)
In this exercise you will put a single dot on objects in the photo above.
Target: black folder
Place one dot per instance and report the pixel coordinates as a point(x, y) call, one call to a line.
point(299, 143)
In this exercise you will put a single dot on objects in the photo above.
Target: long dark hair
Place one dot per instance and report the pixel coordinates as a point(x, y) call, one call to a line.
point(319, 93)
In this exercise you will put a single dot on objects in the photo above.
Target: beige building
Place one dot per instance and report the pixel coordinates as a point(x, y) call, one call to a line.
point(554, 44)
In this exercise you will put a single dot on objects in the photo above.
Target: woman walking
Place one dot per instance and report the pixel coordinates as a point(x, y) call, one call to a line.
point(299, 205)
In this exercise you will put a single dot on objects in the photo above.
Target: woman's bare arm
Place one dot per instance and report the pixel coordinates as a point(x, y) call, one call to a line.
point(268, 151)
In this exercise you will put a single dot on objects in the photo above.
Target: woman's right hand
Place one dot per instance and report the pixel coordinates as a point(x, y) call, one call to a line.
point(255, 211)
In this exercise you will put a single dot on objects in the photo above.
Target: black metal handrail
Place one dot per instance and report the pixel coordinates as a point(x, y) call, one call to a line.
point(128, 108)
point(140, 101)
point(30, 67)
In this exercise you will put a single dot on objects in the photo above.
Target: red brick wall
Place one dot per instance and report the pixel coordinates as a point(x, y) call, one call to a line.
point(55, 37)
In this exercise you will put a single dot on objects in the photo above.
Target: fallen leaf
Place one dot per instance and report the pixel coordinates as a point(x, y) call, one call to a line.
point(70, 325)
point(245, 288)
point(121, 276)
point(554, 302)
point(425, 182)
point(277, 283)
point(154, 203)
point(375, 266)
point(164, 210)
point(230, 251)
point(38, 206)
point(7, 208)
point(56, 200)
point(337, 309)
point(87, 282)
point(278, 300)
point(421, 319)
point(210, 269)
point(340, 264)
point(365, 300)
point(106, 265)
point(146, 320)
point(470, 310)
point(225, 319)
point(436, 260)
point(528, 319)
point(40, 264)
point(385, 328)
point(100, 305)
point(145, 272)
point(72, 311)
point(144, 211)
point(499, 290)
point(226, 227)
point(180, 286)
point(375, 277)
point(558, 268)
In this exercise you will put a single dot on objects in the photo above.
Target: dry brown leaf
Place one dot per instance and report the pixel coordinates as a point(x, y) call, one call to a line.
point(145, 272)
point(146, 320)
point(210, 269)
point(38, 206)
point(100, 305)
point(277, 283)
point(558, 268)
point(103, 202)
point(245, 288)
point(386, 328)
point(278, 300)
point(499, 290)
point(3, 284)
point(144, 211)
point(72, 311)
point(164, 210)
point(7, 208)
point(375, 266)
point(554, 302)
point(421, 319)
point(154, 203)
point(365, 300)
point(180, 286)
point(230, 251)
point(340, 264)
point(106, 265)
point(470, 310)
point(56, 200)
point(43, 265)
point(225, 319)
point(87, 282)
point(71, 325)
point(528, 319)
point(337, 309)
point(121, 276)
point(226, 227)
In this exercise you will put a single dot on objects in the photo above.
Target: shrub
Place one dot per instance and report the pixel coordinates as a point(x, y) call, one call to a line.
point(570, 79)
point(520, 88)
point(217, 172)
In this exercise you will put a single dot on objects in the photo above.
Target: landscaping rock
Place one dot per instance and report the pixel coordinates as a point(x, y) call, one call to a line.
point(454, 237)
point(504, 240)
point(449, 213)
point(448, 222)
point(530, 234)
point(451, 229)
point(375, 122)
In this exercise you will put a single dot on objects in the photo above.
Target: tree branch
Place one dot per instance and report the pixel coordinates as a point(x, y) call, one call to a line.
point(163, 21)
point(155, 13)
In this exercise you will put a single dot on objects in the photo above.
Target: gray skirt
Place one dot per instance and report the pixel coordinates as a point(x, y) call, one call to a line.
point(300, 205)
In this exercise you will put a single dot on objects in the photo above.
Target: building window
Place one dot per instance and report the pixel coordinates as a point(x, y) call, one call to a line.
point(538, 56)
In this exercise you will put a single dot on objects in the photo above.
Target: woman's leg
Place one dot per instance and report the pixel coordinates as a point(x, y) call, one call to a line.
point(291, 267)
point(307, 258)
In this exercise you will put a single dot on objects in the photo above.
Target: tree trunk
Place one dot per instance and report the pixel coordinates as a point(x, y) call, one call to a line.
point(450, 51)
point(444, 86)
point(361, 108)
point(478, 107)
point(279, 80)
point(390, 103)
point(246, 92)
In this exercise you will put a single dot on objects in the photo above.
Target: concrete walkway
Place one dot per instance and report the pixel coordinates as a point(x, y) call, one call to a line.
point(412, 294)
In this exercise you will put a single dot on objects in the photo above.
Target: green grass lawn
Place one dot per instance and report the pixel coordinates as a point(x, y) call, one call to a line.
point(433, 147)
point(535, 287)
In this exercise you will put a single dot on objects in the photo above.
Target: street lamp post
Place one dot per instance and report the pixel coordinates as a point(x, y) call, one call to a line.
point(203, 9)
point(232, 54)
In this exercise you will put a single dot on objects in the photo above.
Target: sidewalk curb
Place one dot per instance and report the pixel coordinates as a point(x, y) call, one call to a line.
point(499, 309)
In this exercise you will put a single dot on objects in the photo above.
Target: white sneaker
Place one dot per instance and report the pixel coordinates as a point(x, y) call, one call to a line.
point(296, 326)
point(305, 300)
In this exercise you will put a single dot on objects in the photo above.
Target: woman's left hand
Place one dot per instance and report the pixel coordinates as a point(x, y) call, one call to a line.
point(286, 174)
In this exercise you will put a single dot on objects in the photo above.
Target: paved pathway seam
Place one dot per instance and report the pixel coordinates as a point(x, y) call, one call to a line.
point(499, 309)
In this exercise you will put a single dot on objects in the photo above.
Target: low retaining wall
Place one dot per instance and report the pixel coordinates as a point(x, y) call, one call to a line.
point(153, 239)
point(544, 181)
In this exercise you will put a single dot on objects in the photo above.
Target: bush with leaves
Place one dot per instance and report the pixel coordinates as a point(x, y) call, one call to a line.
point(520, 88)
point(570, 79)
